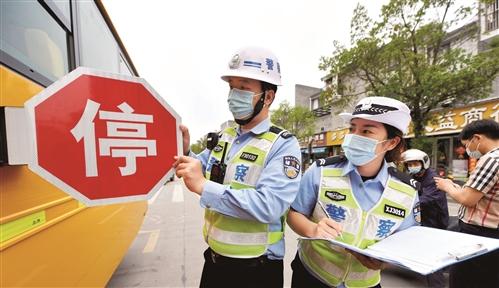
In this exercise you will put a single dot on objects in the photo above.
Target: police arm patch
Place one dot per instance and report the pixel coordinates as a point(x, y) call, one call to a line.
point(291, 167)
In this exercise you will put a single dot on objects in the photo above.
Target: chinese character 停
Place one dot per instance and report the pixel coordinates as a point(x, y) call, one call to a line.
point(128, 131)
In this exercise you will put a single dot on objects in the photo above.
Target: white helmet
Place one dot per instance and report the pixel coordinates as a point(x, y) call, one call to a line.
point(416, 155)
point(254, 63)
point(381, 109)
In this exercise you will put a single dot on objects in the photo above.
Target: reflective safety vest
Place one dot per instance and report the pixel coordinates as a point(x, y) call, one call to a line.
point(230, 236)
point(332, 264)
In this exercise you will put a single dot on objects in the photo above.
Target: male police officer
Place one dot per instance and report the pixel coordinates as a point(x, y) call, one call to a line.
point(251, 176)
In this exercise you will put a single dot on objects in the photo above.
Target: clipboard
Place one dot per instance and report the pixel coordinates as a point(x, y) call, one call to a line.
point(467, 251)
point(422, 249)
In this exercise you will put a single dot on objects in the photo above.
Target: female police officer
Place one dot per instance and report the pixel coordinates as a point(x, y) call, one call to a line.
point(359, 196)
point(251, 176)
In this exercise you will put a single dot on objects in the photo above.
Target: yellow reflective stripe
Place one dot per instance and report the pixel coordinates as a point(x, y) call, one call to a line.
point(262, 144)
point(236, 251)
point(253, 150)
point(269, 136)
point(236, 185)
point(234, 224)
point(336, 182)
point(238, 238)
point(399, 186)
point(324, 270)
point(363, 276)
point(380, 209)
point(275, 237)
point(396, 196)
point(14, 228)
point(251, 177)
point(331, 172)
point(230, 131)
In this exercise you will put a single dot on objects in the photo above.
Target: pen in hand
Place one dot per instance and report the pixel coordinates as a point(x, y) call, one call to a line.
point(327, 214)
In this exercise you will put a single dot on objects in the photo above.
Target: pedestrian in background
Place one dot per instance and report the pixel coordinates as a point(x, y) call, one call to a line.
point(359, 196)
point(433, 203)
point(479, 196)
point(247, 179)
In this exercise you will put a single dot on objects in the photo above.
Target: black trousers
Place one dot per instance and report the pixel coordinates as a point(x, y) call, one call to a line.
point(303, 279)
point(481, 271)
point(219, 271)
point(436, 279)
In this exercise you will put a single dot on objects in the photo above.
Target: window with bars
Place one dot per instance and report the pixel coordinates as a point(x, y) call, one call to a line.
point(492, 16)
point(314, 103)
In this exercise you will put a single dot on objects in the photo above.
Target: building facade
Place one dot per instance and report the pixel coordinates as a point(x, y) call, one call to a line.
point(448, 156)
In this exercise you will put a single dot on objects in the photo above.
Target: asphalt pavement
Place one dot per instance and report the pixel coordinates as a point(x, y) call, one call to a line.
point(168, 250)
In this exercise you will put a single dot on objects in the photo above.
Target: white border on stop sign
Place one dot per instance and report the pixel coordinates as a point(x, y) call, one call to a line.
point(59, 84)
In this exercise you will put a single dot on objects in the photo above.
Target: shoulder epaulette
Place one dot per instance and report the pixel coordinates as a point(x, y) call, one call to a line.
point(404, 177)
point(274, 129)
point(285, 134)
point(330, 160)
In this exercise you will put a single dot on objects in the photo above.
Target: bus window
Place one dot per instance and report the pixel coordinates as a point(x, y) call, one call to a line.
point(98, 48)
point(124, 69)
point(31, 36)
point(62, 6)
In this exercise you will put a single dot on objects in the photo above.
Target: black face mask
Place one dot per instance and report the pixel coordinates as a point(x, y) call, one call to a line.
point(258, 108)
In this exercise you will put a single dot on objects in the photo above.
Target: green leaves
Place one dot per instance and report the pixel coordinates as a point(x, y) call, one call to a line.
point(297, 120)
point(409, 55)
point(199, 146)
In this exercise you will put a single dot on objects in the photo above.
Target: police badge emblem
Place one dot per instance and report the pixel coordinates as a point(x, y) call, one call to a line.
point(218, 148)
point(291, 166)
point(234, 62)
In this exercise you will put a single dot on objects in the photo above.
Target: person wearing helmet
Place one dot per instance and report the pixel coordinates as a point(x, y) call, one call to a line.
point(357, 199)
point(247, 179)
point(433, 203)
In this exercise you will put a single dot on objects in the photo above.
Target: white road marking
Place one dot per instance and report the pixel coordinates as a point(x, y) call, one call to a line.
point(178, 193)
point(150, 201)
point(151, 241)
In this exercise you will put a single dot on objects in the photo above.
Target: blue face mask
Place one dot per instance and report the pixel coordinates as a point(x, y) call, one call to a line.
point(359, 150)
point(414, 169)
point(473, 154)
point(241, 103)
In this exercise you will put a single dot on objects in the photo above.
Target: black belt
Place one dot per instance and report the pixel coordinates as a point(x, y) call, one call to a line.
point(216, 258)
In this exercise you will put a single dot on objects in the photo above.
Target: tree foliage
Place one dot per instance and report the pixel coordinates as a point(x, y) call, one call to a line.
point(199, 146)
point(406, 55)
point(297, 120)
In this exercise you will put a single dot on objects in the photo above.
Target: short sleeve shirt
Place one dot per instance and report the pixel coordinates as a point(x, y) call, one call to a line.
point(485, 178)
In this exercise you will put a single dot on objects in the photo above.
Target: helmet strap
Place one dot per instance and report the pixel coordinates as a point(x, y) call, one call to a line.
point(257, 109)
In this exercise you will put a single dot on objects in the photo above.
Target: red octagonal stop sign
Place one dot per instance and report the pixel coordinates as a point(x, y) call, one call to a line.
point(103, 138)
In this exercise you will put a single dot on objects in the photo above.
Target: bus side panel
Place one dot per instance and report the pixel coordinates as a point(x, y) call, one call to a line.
point(81, 251)
point(15, 89)
point(48, 238)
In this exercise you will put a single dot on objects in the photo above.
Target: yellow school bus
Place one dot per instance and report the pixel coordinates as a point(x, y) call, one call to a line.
point(47, 238)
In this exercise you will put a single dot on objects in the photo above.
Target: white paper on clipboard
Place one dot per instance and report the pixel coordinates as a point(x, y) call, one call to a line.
point(425, 250)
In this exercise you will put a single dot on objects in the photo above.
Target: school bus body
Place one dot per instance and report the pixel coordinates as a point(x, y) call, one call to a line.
point(49, 239)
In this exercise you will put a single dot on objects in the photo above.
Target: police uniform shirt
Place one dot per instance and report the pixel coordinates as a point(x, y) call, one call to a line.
point(366, 193)
point(275, 189)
